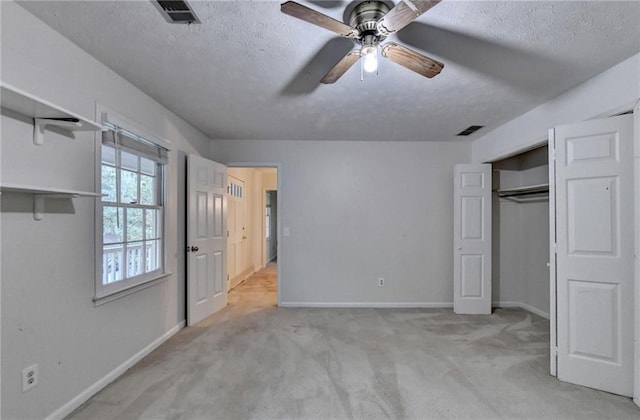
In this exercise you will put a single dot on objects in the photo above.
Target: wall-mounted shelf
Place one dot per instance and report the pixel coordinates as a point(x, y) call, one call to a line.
point(42, 193)
point(526, 193)
point(44, 113)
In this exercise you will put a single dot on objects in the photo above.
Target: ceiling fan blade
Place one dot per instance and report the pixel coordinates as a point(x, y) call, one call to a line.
point(299, 11)
point(405, 12)
point(341, 68)
point(327, 4)
point(412, 60)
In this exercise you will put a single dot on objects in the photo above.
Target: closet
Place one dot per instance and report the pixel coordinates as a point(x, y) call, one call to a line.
point(520, 232)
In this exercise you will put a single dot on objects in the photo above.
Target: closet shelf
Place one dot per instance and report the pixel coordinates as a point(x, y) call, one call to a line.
point(42, 193)
point(44, 113)
point(525, 193)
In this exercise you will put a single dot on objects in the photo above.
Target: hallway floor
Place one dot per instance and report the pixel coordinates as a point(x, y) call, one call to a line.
point(254, 360)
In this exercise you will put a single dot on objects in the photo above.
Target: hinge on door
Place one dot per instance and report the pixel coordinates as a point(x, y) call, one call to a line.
point(555, 351)
point(227, 234)
point(554, 246)
point(553, 154)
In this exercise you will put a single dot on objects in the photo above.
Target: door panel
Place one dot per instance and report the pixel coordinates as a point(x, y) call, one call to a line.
point(218, 267)
point(594, 310)
point(594, 261)
point(472, 276)
point(472, 239)
point(206, 238)
point(599, 196)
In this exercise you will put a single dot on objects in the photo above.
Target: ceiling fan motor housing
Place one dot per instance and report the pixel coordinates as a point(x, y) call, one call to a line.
point(365, 17)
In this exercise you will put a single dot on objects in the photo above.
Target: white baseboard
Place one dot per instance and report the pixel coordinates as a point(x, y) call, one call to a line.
point(524, 306)
point(366, 304)
point(84, 396)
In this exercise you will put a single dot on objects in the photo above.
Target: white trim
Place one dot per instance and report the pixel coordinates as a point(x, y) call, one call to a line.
point(84, 396)
point(392, 305)
point(278, 166)
point(553, 301)
point(521, 305)
point(366, 304)
point(101, 300)
point(636, 153)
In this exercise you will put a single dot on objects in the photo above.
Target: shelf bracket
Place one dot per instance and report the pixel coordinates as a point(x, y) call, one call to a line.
point(38, 203)
point(39, 126)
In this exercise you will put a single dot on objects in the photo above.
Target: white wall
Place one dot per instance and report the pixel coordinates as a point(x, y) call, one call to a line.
point(613, 90)
point(357, 211)
point(48, 266)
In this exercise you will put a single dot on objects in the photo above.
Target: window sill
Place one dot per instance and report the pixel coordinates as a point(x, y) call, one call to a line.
point(97, 301)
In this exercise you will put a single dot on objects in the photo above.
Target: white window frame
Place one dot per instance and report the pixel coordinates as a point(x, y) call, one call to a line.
point(107, 292)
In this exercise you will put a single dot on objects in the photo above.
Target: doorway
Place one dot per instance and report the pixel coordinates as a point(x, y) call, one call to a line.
point(520, 232)
point(271, 227)
point(253, 214)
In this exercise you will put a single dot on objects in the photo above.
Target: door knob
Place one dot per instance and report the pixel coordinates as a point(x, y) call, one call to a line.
point(194, 249)
point(459, 248)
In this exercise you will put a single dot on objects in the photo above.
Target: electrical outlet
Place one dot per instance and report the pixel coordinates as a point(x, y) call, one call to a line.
point(29, 377)
point(380, 281)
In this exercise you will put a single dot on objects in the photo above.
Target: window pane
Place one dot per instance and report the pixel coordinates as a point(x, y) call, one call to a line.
point(147, 190)
point(152, 226)
point(147, 166)
point(109, 155)
point(112, 224)
point(135, 259)
point(152, 255)
point(129, 161)
point(128, 187)
point(109, 183)
point(134, 225)
point(111, 264)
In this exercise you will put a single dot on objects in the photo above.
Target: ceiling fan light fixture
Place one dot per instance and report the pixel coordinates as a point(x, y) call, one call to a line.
point(369, 56)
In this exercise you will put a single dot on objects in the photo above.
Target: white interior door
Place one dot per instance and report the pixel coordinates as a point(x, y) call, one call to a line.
point(206, 238)
point(237, 235)
point(472, 239)
point(594, 253)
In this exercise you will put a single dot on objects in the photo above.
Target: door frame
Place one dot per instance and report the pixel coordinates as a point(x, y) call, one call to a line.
point(636, 188)
point(279, 253)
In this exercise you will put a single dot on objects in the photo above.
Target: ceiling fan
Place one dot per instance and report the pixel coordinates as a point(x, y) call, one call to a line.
point(370, 22)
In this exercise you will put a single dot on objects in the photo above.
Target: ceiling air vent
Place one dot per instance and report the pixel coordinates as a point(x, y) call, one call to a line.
point(470, 130)
point(176, 11)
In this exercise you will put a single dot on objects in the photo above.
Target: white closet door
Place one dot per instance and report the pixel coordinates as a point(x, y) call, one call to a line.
point(472, 239)
point(595, 245)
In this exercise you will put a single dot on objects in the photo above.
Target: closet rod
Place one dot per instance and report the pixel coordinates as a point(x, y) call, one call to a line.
point(526, 190)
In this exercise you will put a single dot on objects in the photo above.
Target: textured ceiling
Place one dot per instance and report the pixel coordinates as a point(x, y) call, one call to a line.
point(250, 72)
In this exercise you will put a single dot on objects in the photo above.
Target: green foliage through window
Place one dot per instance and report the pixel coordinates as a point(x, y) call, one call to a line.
point(132, 214)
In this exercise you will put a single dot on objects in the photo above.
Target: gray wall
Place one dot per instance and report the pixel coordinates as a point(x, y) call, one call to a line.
point(521, 235)
point(357, 211)
point(48, 266)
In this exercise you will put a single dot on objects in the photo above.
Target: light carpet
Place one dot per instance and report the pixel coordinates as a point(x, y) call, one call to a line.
point(256, 361)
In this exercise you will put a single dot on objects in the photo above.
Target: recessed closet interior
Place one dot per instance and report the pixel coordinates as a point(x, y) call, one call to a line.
point(520, 224)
